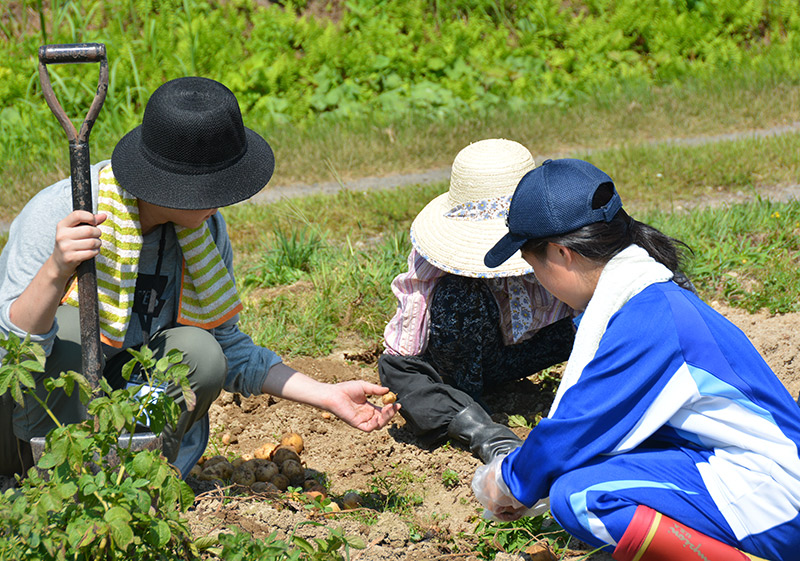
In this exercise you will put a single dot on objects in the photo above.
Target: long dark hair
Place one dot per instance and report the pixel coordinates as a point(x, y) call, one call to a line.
point(601, 241)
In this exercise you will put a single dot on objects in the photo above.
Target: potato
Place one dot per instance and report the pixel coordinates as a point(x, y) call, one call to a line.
point(226, 438)
point(294, 472)
point(317, 488)
point(283, 453)
point(243, 476)
point(293, 440)
point(265, 451)
point(314, 494)
point(206, 475)
point(266, 472)
point(309, 483)
point(281, 482)
point(247, 457)
point(388, 398)
point(220, 470)
point(259, 487)
point(196, 471)
point(214, 460)
point(351, 500)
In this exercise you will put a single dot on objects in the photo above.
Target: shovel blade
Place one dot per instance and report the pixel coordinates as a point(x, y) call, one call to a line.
point(137, 442)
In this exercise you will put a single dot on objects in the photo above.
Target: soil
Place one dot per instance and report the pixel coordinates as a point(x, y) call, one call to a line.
point(390, 466)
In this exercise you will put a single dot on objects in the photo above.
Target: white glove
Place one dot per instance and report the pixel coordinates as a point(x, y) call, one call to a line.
point(493, 493)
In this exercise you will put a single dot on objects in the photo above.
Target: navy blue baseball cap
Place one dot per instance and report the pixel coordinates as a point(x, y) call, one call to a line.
point(550, 200)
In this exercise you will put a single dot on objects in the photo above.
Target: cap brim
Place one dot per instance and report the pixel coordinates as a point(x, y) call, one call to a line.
point(503, 250)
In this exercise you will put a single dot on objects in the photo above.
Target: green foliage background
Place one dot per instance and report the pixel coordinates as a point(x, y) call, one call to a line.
point(299, 62)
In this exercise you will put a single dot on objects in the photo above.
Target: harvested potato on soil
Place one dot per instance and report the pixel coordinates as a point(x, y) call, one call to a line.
point(281, 482)
point(294, 472)
point(221, 470)
point(283, 453)
point(212, 460)
point(351, 500)
point(196, 471)
point(266, 472)
point(243, 476)
point(259, 487)
point(293, 440)
point(388, 398)
point(265, 451)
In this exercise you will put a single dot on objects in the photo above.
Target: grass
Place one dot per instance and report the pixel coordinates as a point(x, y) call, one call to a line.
point(622, 120)
point(744, 254)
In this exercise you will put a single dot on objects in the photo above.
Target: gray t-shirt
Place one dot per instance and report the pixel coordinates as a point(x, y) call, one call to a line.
point(30, 244)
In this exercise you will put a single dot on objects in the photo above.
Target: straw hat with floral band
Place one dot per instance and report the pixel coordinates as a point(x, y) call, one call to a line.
point(456, 229)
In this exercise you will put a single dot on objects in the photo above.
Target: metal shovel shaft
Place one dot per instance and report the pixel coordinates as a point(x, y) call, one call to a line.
point(80, 168)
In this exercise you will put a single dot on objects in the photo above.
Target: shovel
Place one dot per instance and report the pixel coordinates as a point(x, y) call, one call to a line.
point(92, 354)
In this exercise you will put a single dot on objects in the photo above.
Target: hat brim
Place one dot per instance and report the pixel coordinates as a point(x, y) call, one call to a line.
point(220, 188)
point(458, 246)
point(503, 250)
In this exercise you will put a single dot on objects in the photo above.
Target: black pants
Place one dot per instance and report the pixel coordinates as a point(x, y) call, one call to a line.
point(465, 357)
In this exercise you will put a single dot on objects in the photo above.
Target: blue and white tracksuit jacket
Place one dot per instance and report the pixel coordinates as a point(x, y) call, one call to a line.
point(677, 411)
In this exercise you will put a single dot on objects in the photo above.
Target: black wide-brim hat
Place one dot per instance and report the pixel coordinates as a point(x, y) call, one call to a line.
point(192, 150)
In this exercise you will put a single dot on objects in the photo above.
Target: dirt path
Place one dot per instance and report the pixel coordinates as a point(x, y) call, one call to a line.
point(390, 181)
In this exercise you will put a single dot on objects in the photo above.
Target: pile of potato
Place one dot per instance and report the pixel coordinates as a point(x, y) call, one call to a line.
point(271, 468)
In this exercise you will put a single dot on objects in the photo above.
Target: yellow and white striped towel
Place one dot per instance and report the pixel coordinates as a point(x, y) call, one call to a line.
point(208, 294)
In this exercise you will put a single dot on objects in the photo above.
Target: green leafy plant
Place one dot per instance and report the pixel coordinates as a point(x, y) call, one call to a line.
point(512, 537)
point(90, 496)
point(450, 478)
point(240, 546)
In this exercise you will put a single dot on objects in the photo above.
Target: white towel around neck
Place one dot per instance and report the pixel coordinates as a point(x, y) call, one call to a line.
point(626, 275)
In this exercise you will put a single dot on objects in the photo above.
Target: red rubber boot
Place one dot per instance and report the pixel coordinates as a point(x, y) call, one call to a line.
point(651, 536)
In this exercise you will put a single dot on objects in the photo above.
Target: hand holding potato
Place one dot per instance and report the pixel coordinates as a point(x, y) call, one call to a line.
point(348, 401)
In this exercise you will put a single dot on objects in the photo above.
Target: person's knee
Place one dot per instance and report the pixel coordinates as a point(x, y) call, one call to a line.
point(203, 355)
point(561, 506)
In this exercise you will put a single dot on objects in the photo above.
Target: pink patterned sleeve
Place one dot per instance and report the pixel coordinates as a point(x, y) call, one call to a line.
point(407, 332)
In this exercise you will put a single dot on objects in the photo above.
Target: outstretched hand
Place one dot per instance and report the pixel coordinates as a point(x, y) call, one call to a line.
point(348, 401)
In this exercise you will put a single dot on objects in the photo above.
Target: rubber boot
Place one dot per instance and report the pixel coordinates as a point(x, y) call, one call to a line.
point(473, 427)
point(651, 536)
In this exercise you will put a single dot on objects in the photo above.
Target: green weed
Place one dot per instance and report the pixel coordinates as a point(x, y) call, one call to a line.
point(450, 478)
point(513, 537)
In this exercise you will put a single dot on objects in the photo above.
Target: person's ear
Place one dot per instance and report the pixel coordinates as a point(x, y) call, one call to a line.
point(561, 253)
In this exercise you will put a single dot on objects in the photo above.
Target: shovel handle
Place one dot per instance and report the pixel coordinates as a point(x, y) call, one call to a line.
point(72, 54)
point(80, 167)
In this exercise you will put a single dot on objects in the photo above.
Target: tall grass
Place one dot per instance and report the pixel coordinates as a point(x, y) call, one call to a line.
point(744, 254)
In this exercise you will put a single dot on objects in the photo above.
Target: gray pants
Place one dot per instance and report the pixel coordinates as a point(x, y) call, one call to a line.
point(201, 352)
